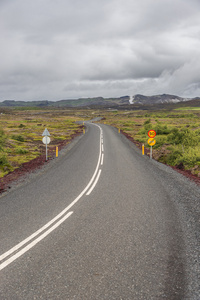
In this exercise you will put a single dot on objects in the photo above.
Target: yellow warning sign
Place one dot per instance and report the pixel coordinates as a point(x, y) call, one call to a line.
point(151, 141)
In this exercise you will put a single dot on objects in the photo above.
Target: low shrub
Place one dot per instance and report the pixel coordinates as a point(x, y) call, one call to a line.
point(185, 137)
point(22, 126)
point(160, 141)
point(3, 160)
point(173, 157)
point(161, 129)
point(146, 127)
point(147, 122)
point(178, 156)
point(127, 128)
point(189, 158)
point(21, 150)
point(2, 138)
point(18, 137)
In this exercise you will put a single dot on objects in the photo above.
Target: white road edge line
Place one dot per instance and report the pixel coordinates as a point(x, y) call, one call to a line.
point(32, 244)
point(94, 184)
point(9, 252)
point(102, 159)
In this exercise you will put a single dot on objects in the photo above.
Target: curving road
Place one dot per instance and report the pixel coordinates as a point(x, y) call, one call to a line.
point(101, 222)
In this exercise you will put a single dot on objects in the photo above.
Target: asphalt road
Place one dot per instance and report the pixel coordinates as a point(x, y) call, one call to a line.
point(101, 222)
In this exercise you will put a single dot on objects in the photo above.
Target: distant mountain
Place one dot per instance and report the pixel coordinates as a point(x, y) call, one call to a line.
point(158, 99)
point(81, 102)
point(126, 102)
point(97, 101)
point(13, 103)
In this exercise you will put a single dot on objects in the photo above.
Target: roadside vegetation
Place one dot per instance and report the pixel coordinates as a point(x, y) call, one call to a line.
point(177, 133)
point(21, 134)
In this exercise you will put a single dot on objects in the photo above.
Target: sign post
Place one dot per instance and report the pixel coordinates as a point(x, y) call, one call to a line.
point(151, 140)
point(46, 140)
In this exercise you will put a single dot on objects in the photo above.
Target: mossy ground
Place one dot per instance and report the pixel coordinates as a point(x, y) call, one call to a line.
point(21, 134)
point(177, 134)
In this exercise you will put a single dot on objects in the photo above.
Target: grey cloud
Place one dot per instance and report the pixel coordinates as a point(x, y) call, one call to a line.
point(60, 49)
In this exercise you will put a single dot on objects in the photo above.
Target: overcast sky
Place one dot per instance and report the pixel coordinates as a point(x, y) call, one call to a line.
point(62, 49)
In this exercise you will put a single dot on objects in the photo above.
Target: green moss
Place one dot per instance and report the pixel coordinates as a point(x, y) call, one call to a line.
point(20, 150)
point(22, 125)
point(18, 137)
point(3, 159)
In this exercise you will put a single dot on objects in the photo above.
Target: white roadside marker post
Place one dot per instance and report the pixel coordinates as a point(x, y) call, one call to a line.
point(46, 140)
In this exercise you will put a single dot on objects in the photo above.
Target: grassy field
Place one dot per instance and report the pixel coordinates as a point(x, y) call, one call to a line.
point(177, 139)
point(21, 134)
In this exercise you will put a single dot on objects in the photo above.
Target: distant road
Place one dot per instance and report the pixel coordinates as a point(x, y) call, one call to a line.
point(101, 222)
